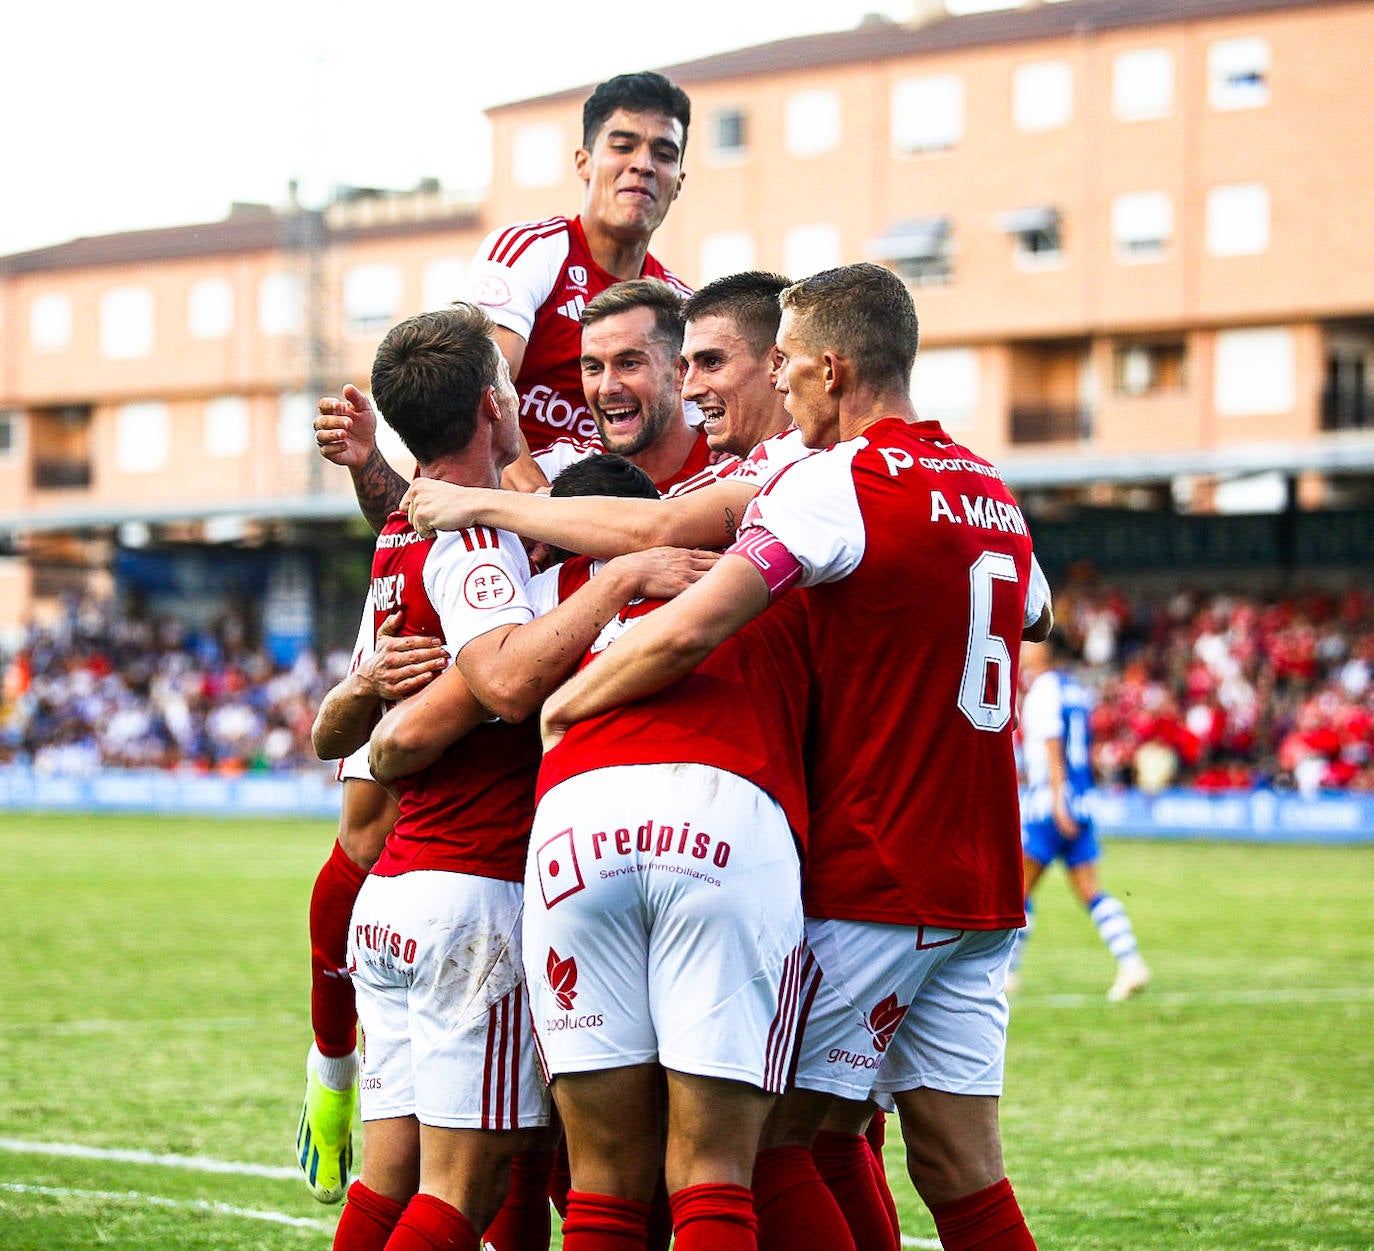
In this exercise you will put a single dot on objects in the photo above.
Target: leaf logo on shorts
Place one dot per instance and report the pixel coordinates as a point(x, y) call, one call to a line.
point(562, 975)
point(883, 1020)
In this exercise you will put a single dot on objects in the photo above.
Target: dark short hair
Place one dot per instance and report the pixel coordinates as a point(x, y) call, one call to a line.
point(864, 312)
point(635, 93)
point(604, 474)
point(648, 293)
point(749, 299)
point(429, 375)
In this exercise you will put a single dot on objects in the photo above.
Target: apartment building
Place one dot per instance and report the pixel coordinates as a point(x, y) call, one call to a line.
point(1132, 228)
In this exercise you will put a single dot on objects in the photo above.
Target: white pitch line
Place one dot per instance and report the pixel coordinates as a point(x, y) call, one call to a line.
point(158, 1201)
point(197, 1163)
point(1210, 998)
point(97, 1025)
point(927, 1244)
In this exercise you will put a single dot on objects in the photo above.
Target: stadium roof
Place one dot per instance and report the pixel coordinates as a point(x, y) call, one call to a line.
point(881, 39)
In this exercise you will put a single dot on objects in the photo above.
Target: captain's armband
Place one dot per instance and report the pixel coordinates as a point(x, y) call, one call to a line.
point(780, 569)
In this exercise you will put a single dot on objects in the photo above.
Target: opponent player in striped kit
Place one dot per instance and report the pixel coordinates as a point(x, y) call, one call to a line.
point(1056, 816)
point(449, 1086)
point(915, 566)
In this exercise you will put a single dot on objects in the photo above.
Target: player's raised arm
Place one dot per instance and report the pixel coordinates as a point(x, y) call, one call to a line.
point(593, 525)
point(346, 434)
point(665, 646)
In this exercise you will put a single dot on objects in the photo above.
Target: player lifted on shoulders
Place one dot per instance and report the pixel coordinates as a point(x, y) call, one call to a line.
point(916, 569)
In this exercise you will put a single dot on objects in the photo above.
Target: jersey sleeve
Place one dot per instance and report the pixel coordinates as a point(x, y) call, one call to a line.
point(812, 508)
point(564, 452)
point(515, 270)
point(542, 591)
point(1037, 594)
point(476, 579)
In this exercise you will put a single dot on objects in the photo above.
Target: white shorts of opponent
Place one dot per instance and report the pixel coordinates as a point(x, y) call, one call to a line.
point(435, 960)
point(896, 1007)
point(663, 924)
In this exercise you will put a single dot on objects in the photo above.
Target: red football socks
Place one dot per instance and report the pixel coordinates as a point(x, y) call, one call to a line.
point(604, 1223)
point(794, 1206)
point(430, 1224)
point(367, 1221)
point(845, 1162)
point(333, 1013)
point(523, 1222)
point(987, 1220)
point(714, 1218)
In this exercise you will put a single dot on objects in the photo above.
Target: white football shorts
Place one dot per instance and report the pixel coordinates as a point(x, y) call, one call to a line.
point(663, 924)
point(355, 766)
point(435, 961)
point(895, 1007)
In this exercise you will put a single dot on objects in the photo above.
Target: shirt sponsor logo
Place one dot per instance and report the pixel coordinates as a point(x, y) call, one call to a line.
point(545, 405)
point(666, 840)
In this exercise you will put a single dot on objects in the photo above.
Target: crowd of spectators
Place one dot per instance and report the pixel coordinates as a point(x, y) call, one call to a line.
point(1224, 689)
point(100, 689)
point(1195, 687)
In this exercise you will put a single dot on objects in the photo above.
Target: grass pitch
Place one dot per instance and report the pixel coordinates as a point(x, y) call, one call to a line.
point(154, 1022)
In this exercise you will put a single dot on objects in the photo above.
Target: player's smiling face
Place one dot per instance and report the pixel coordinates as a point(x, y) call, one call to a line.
point(803, 375)
point(633, 171)
point(730, 385)
point(631, 379)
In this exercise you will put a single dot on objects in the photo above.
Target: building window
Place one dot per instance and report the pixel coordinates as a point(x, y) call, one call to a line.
point(811, 122)
point(226, 426)
point(1036, 235)
point(1143, 84)
point(729, 132)
point(1238, 220)
point(809, 249)
point(143, 438)
point(50, 322)
point(441, 282)
point(1348, 396)
point(1042, 96)
point(1255, 372)
point(919, 249)
point(126, 323)
point(1238, 73)
point(1149, 367)
point(371, 296)
point(726, 252)
point(1142, 224)
point(210, 309)
point(944, 386)
point(281, 304)
point(927, 113)
point(296, 424)
point(60, 446)
point(538, 156)
point(9, 435)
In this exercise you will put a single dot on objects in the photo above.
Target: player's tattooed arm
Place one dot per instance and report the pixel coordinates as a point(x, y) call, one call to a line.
point(379, 489)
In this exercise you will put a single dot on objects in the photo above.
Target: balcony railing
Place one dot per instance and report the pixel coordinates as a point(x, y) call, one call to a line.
point(1050, 423)
point(52, 474)
point(1344, 408)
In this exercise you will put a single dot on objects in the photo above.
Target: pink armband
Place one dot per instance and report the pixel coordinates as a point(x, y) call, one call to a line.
point(781, 570)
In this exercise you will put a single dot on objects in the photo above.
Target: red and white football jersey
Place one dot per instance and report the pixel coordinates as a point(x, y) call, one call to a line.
point(762, 463)
point(916, 567)
point(742, 710)
point(535, 278)
point(471, 810)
